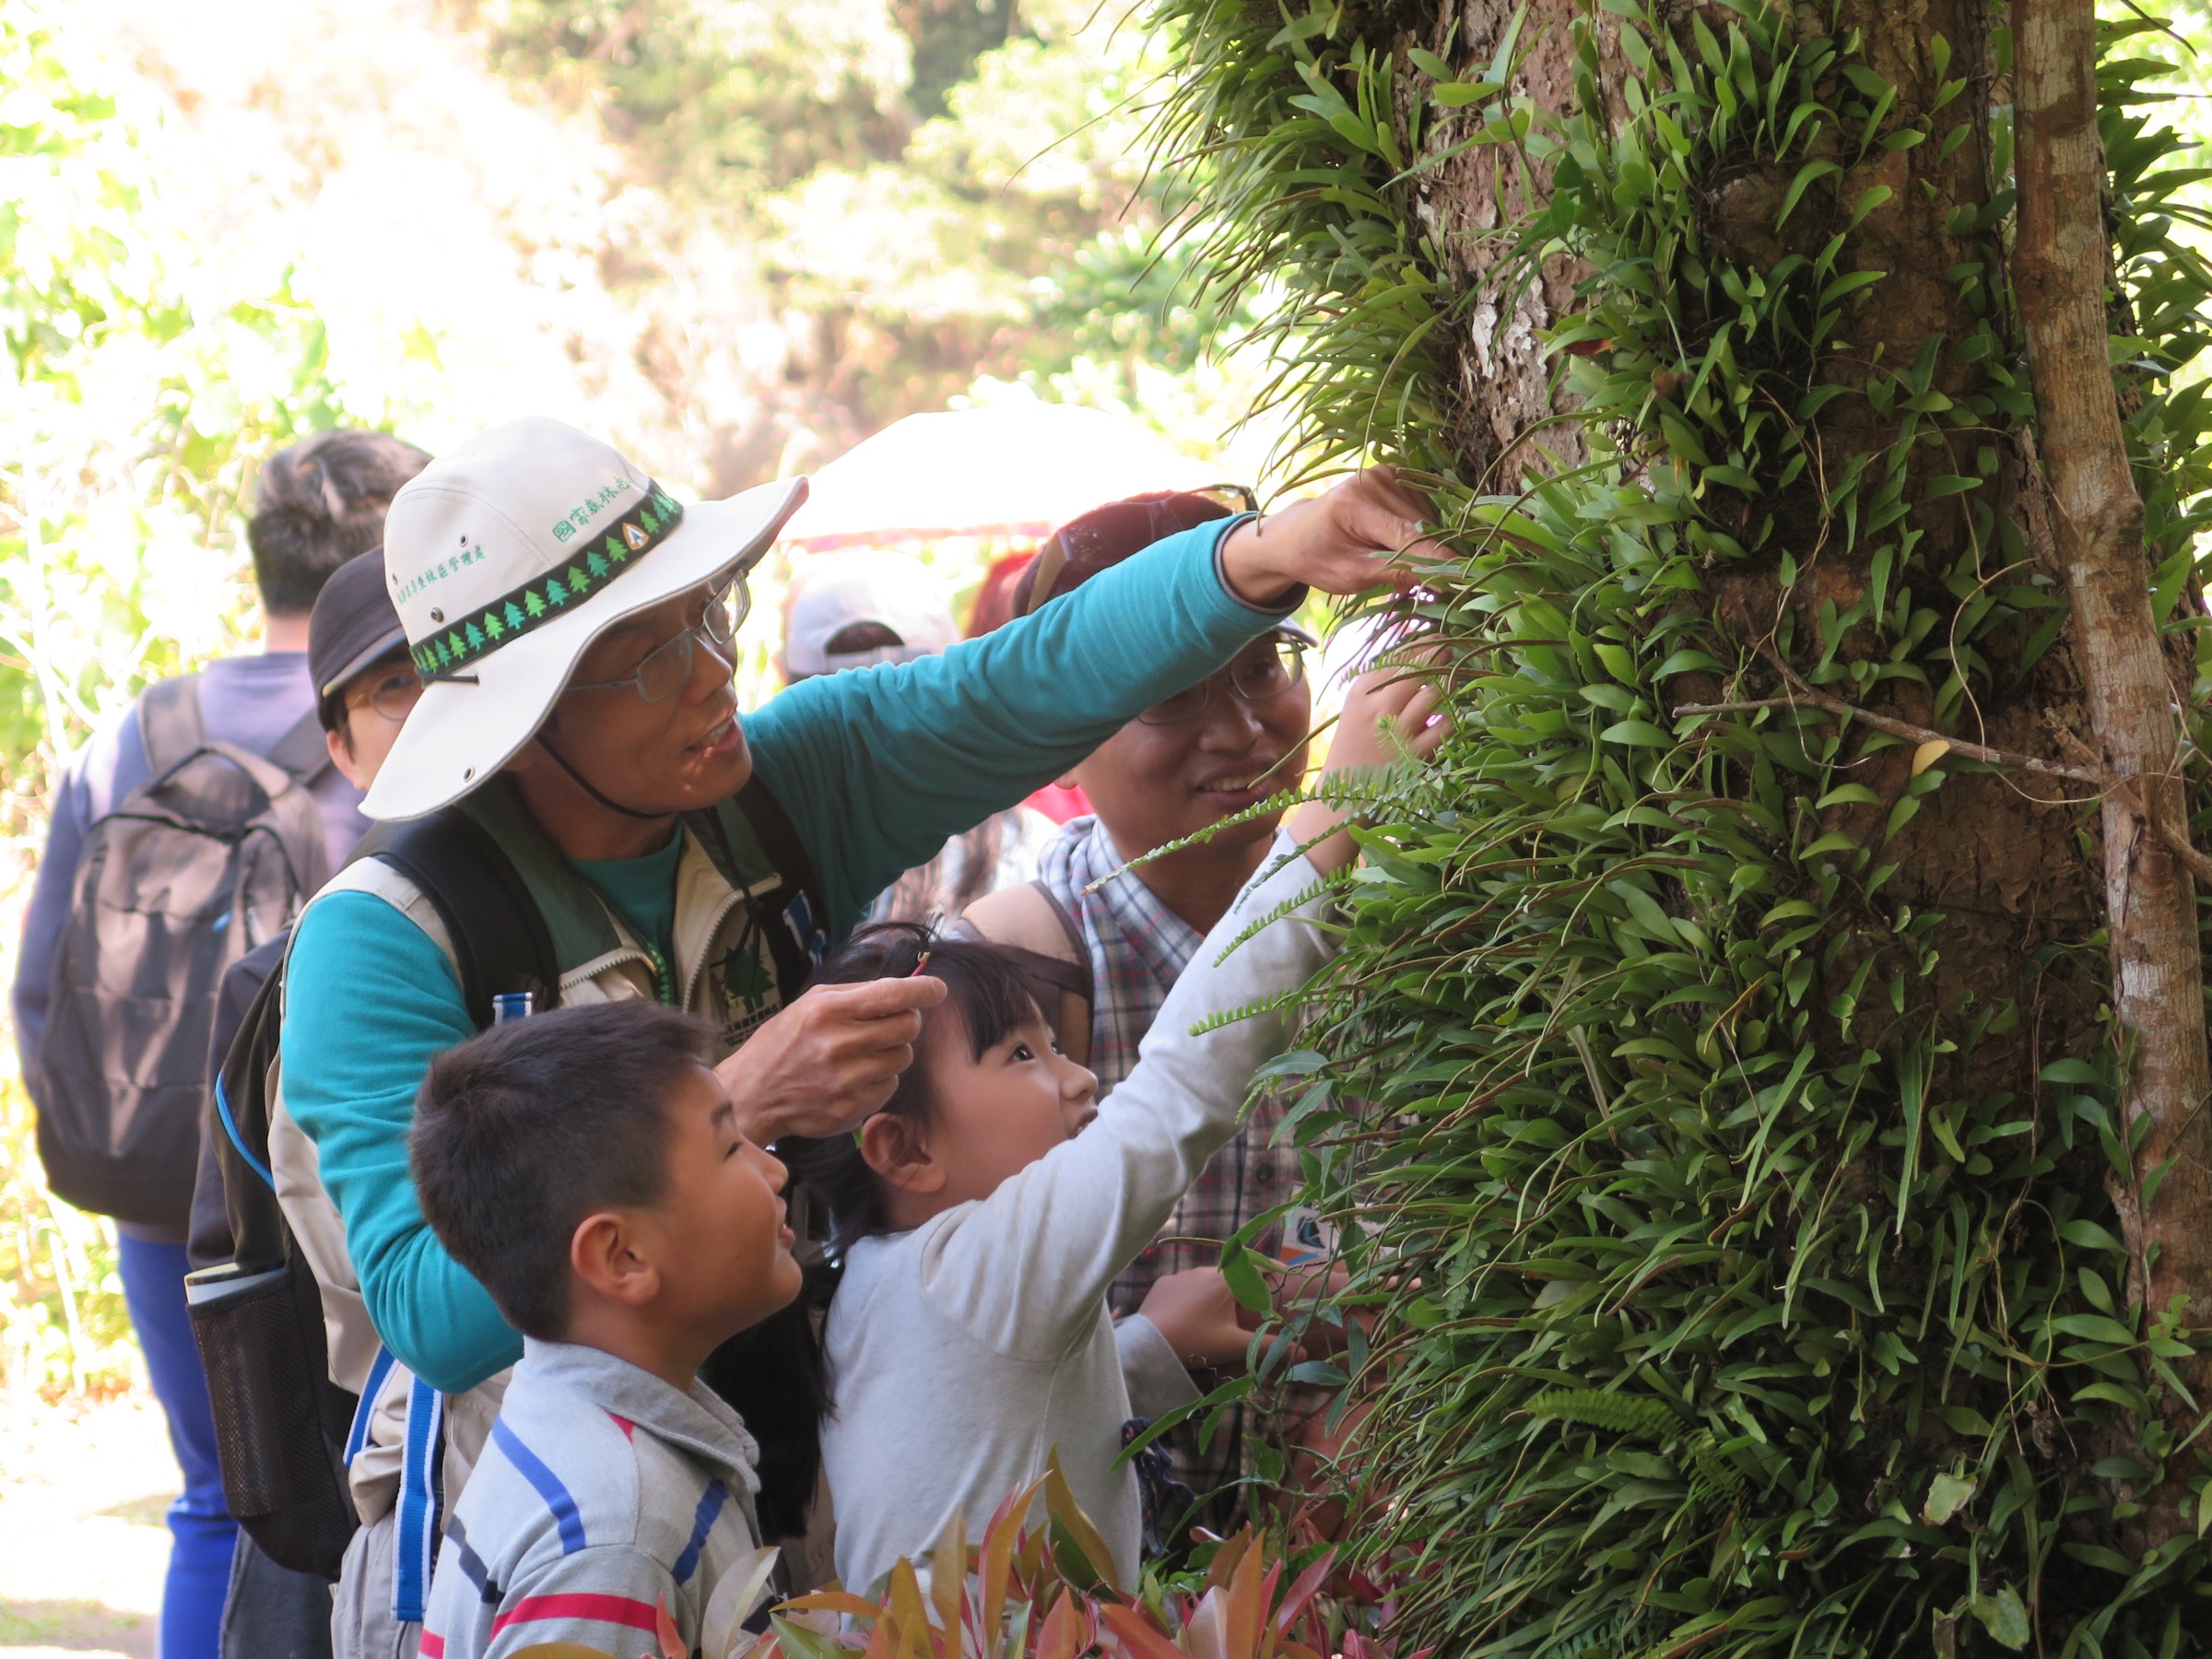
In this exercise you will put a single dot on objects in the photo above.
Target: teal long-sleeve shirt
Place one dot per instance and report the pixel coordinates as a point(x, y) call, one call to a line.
point(875, 767)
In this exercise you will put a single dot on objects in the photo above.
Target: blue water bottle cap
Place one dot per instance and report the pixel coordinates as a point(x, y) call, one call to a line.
point(513, 1004)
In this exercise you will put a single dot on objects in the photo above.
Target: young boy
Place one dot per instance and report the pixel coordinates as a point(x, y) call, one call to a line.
point(586, 1167)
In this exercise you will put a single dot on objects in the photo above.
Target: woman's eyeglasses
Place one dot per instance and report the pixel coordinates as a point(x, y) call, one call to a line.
point(712, 619)
point(1266, 668)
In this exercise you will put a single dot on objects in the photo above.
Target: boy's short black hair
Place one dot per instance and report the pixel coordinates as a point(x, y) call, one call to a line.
point(318, 504)
point(985, 989)
point(522, 1131)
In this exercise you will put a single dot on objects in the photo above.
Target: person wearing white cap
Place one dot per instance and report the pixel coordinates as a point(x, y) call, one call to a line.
point(572, 622)
point(854, 610)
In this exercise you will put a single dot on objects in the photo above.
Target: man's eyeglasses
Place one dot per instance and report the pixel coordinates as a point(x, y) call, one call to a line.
point(712, 618)
point(1265, 669)
point(392, 691)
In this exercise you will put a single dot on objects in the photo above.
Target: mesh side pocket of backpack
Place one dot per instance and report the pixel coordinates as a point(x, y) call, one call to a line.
point(282, 1480)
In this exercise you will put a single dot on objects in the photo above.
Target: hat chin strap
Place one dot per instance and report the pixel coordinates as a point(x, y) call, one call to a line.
point(585, 784)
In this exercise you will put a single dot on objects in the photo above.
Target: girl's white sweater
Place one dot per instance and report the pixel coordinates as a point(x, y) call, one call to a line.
point(962, 1352)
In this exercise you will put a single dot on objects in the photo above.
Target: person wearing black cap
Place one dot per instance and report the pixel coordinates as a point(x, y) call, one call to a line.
point(316, 504)
point(365, 683)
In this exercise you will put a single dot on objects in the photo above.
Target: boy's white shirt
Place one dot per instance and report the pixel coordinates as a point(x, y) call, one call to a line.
point(962, 1352)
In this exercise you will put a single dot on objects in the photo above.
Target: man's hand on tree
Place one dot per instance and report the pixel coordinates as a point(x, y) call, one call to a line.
point(1343, 542)
point(822, 1064)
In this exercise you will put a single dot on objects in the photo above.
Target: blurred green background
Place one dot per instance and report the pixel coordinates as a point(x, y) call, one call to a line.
point(732, 236)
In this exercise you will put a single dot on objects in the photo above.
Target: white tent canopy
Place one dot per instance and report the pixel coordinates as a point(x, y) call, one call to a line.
point(1018, 469)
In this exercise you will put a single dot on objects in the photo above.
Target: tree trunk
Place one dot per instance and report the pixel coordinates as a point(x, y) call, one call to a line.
point(1765, 828)
point(2059, 270)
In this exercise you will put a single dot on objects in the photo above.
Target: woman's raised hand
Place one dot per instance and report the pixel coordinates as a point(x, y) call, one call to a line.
point(1352, 538)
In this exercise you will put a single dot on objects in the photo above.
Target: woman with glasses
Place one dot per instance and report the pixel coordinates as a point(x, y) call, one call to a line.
point(572, 625)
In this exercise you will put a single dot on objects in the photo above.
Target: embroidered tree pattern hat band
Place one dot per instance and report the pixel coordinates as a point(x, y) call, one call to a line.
point(506, 559)
point(637, 531)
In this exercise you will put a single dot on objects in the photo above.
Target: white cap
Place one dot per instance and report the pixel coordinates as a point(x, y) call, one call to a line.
point(895, 592)
point(506, 559)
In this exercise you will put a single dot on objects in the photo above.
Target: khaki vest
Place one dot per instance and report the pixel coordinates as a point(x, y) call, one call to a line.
point(745, 935)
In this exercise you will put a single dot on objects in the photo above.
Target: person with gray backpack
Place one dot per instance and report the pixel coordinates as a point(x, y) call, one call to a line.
point(185, 834)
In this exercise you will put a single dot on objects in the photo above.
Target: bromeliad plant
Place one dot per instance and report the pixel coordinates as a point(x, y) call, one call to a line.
point(1049, 1592)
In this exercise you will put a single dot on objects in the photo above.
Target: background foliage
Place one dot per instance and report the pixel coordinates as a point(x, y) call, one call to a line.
point(1729, 1299)
point(733, 235)
point(127, 424)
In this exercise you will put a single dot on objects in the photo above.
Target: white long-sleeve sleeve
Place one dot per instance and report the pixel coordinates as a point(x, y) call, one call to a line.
point(1152, 1371)
point(962, 1354)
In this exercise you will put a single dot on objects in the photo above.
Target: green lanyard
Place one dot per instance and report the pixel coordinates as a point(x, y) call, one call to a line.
point(663, 975)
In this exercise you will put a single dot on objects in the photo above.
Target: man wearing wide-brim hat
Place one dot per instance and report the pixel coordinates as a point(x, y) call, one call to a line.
point(572, 621)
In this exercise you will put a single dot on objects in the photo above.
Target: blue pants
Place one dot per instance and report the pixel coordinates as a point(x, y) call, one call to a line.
point(200, 1530)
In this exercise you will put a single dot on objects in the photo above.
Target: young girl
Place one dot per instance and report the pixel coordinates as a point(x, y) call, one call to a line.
point(984, 1212)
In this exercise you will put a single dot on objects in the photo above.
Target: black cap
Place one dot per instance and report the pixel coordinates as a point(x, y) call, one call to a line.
point(353, 623)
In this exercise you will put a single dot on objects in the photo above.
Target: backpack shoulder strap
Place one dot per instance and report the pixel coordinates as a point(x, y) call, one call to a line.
point(240, 1109)
point(500, 939)
point(303, 751)
point(779, 838)
point(170, 724)
point(1070, 929)
point(1032, 916)
point(751, 836)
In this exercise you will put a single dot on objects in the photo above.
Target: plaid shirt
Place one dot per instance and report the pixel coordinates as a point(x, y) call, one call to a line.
point(1139, 947)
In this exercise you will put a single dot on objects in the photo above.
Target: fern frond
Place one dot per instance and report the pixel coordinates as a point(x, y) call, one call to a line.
point(1712, 1476)
point(1253, 1010)
point(1289, 906)
point(1281, 800)
point(1598, 1408)
point(1362, 794)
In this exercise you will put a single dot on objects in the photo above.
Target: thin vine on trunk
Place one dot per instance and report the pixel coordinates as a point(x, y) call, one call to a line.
point(2059, 275)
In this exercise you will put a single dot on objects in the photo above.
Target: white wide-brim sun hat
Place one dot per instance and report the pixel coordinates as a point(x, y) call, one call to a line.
point(506, 558)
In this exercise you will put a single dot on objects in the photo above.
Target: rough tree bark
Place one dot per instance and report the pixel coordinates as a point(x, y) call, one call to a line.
point(2059, 270)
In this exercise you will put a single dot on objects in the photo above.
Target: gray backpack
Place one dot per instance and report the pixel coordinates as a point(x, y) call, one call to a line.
point(215, 853)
